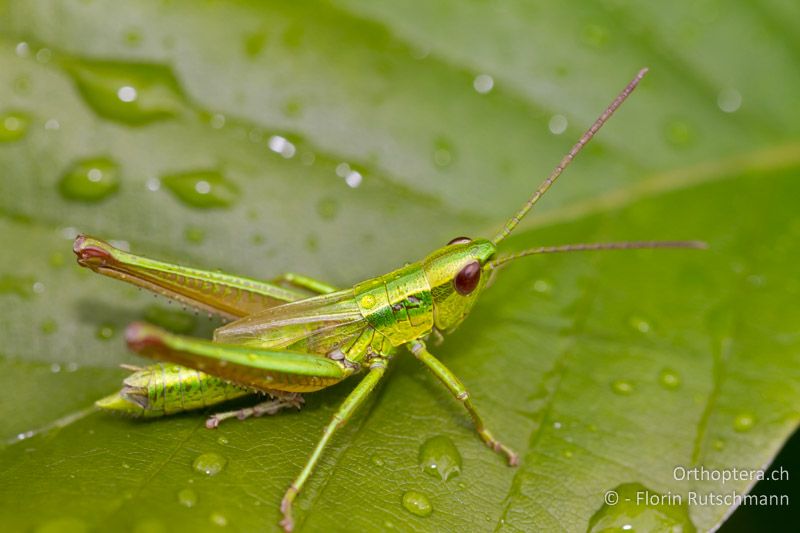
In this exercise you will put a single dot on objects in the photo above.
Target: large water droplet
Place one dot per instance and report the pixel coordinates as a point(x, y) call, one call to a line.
point(209, 464)
point(133, 93)
point(417, 503)
point(90, 180)
point(632, 507)
point(744, 422)
point(13, 126)
point(187, 497)
point(557, 124)
point(174, 321)
point(483, 83)
point(202, 189)
point(439, 457)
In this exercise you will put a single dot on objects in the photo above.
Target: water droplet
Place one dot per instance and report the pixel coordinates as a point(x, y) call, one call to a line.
point(622, 387)
point(669, 379)
point(377, 461)
point(439, 457)
point(542, 286)
point(327, 208)
point(556, 425)
point(13, 126)
point(105, 331)
point(90, 180)
point(218, 519)
point(634, 507)
point(254, 43)
point(557, 124)
point(52, 125)
point(187, 497)
point(281, 145)
point(194, 235)
point(567, 454)
point(209, 464)
point(44, 55)
point(718, 444)
point(222, 440)
point(744, 422)
point(49, 326)
point(483, 83)
point(133, 93)
point(55, 368)
point(174, 321)
point(639, 324)
point(22, 49)
point(594, 36)
point(217, 121)
point(679, 133)
point(202, 189)
point(72, 366)
point(729, 100)
point(417, 503)
point(442, 153)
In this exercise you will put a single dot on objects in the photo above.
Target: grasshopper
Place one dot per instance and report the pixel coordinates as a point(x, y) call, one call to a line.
point(296, 334)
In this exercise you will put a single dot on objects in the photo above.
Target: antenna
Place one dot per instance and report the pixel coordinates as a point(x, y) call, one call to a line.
point(628, 245)
point(513, 221)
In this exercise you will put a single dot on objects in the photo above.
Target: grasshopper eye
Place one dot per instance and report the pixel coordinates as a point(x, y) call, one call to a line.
point(468, 278)
point(459, 240)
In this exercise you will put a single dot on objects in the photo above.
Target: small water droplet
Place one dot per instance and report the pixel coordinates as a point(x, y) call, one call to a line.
point(22, 49)
point(729, 100)
point(222, 440)
point(174, 321)
point(105, 331)
point(194, 235)
point(483, 83)
point(744, 422)
point(639, 324)
point(90, 180)
point(718, 444)
point(217, 121)
point(542, 286)
point(556, 425)
point(557, 124)
point(281, 145)
point(417, 503)
point(567, 454)
point(218, 519)
point(595, 36)
point(679, 133)
point(49, 326)
point(669, 379)
point(72, 366)
point(440, 458)
point(133, 93)
point(202, 189)
point(44, 55)
point(187, 498)
point(55, 368)
point(622, 387)
point(52, 125)
point(209, 464)
point(13, 126)
point(443, 153)
point(327, 208)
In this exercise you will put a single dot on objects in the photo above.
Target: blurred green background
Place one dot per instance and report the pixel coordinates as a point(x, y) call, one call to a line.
point(341, 139)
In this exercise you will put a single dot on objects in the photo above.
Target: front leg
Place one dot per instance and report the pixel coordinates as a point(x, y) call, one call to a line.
point(458, 390)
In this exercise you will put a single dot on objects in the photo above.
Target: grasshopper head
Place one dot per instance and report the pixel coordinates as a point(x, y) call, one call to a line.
point(457, 274)
point(133, 399)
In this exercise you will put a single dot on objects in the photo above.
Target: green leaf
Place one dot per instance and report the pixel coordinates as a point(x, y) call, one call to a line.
point(345, 138)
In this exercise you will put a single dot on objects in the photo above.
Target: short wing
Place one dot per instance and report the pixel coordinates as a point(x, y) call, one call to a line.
point(313, 325)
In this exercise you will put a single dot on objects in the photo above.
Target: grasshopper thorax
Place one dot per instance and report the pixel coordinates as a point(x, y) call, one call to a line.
point(457, 273)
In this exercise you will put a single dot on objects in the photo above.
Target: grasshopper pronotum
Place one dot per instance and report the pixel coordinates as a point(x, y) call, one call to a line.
point(296, 334)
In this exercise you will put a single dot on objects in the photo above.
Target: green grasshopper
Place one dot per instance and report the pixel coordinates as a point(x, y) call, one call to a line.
point(297, 334)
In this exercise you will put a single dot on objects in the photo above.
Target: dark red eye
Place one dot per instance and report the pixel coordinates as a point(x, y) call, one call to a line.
point(459, 240)
point(468, 278)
